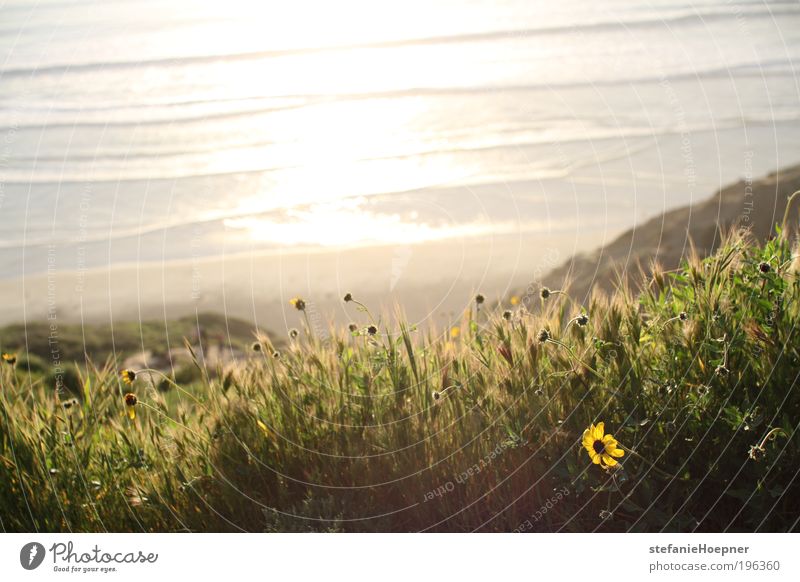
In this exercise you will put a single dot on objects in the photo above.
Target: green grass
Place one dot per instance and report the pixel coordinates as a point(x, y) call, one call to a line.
point(406, 431)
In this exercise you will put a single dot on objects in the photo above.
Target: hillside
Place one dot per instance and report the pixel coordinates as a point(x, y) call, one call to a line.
point(756, 205)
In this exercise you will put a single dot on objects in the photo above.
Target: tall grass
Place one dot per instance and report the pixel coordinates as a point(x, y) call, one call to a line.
point(696, 377)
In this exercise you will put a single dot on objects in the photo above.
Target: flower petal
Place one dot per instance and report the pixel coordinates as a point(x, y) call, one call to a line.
point(595, 458)
point(617, 453)
point(609, 461)
point(608, 439)
point(599, 430)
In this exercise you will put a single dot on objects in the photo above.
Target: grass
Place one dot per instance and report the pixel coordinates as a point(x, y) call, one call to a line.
point(696, 377)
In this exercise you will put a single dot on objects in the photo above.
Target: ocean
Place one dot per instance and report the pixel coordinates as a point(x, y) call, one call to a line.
point(152, 131)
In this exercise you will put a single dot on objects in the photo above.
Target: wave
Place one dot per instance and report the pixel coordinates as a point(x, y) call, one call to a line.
point(688, 15)
point(763, 69)
point(25, 176)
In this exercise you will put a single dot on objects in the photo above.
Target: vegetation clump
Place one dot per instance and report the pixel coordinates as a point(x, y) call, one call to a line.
point(696, 377)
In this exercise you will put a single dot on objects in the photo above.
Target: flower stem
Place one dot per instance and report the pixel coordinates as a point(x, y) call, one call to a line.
point(650, 463)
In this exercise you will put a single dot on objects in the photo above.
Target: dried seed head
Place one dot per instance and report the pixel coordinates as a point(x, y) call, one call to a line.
point(298, 303)
point(507, 315)
point(480, 299)
point(348, 297)
point(372, 330)
point(756, 453)
point(545, 293)
point(256, 346)
point(582, 319)
point(293, 333)
point(764, 267)
point(543, 336)
point(353, 328)
point(683, 316)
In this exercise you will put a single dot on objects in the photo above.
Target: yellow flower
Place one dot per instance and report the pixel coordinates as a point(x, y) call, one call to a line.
point(455, 332)
point(10, 358)
point(128, 376)
point(602, 448)
point(298, 303)
point(130, 404)
point(514, 300)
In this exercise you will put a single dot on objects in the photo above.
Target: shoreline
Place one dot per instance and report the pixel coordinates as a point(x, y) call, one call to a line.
point(433, 282)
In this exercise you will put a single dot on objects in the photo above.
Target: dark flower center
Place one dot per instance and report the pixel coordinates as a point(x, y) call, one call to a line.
point(598, 447)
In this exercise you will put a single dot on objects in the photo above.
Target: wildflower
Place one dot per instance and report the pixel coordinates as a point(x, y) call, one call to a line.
point(353, 328)
point(298, 303)
point(130, 404)
point(602, 448)
point(507, 315)
point(256, 346)
point(293, 333)
point(10, 359)
point(455, 332)
point(683, 316)
point(348, 297)
point(480, 299)
point(545, 293)
point(372, 330)
point(514, 300)
point(582, 320)
point(436, 396)
point(764, 267)
point(756, 453)
point(543, 336)
point(128, 376)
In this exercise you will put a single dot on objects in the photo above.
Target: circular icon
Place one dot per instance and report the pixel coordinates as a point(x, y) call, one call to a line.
point(31, 555)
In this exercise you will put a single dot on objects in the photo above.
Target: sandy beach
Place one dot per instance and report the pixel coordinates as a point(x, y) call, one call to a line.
point(433, 282)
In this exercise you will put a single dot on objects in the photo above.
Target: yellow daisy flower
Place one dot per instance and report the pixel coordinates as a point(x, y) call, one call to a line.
point(298, 303)
point(128, 376)
point(10, 359)
point(455, 332)
point(130, 404)
point(602, 448)
point(514, 300)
